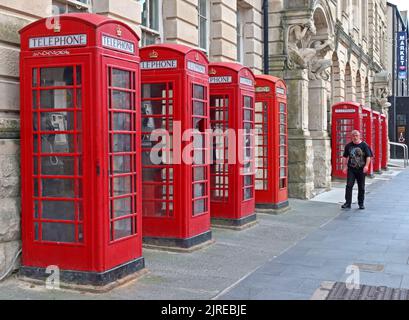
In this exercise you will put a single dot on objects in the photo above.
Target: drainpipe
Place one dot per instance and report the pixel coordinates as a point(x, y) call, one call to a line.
point(266, 35)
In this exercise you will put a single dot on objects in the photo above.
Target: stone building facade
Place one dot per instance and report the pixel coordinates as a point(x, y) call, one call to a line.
point(326, 50)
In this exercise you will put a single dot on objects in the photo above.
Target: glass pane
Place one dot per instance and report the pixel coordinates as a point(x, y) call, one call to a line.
point(59, 143)
point(122, 185)
point(248, 102)
point(122, 164)
point(58, 232)
point(56, 99)
point(282, 108)
point(121, 79)
point(34, 75)
point(121, 100)
point(122, 143)
point(122, 228)
point(154, 90)
point(198, 108)
point(36, 236)
point(122, 122)
point(247, 194)
point(61, 76)
point(58, 166)
point(35, 210)
point(248, 115)
point(57, 121)
point(198, 92)
point(199, 190)
point(199, 206)
point(79, 98)
point(122, 207)
point(247, 181)
point(36, 191)
point(199, 174)
point(79, 75)
point(58, 210)
point(57, 188)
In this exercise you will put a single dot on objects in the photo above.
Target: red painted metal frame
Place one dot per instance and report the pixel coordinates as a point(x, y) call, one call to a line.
point(378, 142)
point(271, 92)
point(346, 117)
point(385, 145)
point(181, 223)
point(233, 206)
point(367, 131)
point(94, 251)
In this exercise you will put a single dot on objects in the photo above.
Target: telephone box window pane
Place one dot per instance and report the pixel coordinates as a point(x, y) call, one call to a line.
point(58, 166)
point(122, 164)
point(122, 207)
point(199, 174)
point(56, 99)
point(122, 143)
point(36, 191)
point(57, 188)
point(35, 102)
point(248, 102)
point(36, 236)
point(248, 115)
point(61, 76)
point(122, 122)
point(57, 121)
point(198, 108)
point(34, 75)
point(199, 190)
point(154, 90)
point(198, 92)
point(247, 194)
point(79, 75)
point(58, 210)
point(282, 108)
point(122, 185)
point(153, 107)
point(122, 228)
point(247, 181)
point(58, 143)
point(35, 210)
point(199, 207)
point(121, 100)
point(121, 79)
point(79, 98)
point(58, 232)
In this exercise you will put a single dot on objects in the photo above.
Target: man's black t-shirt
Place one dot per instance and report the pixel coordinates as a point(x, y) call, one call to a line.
point(357, 154)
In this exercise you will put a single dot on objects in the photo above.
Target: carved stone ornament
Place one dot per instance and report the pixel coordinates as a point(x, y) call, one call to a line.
point(306, 53)
point(382, 89)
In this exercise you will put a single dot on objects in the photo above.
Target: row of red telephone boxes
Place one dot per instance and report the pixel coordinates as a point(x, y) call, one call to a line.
point(349, 116)
point(92, 189)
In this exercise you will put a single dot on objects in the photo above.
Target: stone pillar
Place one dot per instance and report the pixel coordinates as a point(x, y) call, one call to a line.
point(301, 157)
point(318, 126)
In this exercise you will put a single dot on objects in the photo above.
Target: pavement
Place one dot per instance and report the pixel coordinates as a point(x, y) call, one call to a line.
point(283, 257)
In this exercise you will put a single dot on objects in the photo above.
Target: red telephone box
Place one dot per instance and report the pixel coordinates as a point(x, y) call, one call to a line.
point(385, 147)
point(271, 143)
point(346, 117)
point(378, 142)
point(367, 132)
point(175, 91)
point(80, 155)
point(232, 116)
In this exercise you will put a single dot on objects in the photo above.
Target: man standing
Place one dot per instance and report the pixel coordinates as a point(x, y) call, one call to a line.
point(356, 162)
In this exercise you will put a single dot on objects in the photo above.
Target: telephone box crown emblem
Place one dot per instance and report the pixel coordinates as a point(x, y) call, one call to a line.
point(153, 54)
point(212, 71)
point(118, 31)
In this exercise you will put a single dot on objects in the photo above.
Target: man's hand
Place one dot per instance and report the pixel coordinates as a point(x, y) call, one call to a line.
point(366, 169)
point(345, 171)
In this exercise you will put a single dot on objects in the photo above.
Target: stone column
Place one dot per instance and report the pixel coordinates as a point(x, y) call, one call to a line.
point(318, 126)
point(301, 170)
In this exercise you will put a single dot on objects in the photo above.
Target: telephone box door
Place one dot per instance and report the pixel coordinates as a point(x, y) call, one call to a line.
point(54, 157)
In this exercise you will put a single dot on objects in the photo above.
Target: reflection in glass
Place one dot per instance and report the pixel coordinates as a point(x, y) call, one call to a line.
point(58, 232)
point(58, 166)
point(56, 99)
point(61, 76)
point(199, 206)
point(157, 90)
point(199, 174)
point(58, 210)
point(121, 100)
point(34, 75)
point(122, 185)
point(122, 164)
point(122, 207)
point(198, 190)
point(123, 228)
point(121, 143)
point(122, 121)
point(198, 92)
point(57, 188)
point(121, 79)
point(198, 108)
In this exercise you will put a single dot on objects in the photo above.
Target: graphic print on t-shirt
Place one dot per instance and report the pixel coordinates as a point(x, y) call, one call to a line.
point(357, 159)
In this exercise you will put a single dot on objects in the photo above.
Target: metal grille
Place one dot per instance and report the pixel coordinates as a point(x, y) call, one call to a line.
point(340, 292)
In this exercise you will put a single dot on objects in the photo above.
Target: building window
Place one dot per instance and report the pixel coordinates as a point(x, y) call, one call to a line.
point(151, 22)
point(240, 35)
point(203, 28)
point(71, 6)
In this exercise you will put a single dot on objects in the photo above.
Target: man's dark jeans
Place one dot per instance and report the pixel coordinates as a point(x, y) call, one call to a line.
point(359, 176)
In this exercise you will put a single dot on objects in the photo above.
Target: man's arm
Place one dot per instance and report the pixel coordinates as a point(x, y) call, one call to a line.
point(345, 164)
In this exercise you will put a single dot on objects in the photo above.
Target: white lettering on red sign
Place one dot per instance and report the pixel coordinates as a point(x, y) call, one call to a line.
point(280, 91)
point(196, 67)
point(118, 44)
point(58, 41)
point(160, 64)
point(263, 89)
